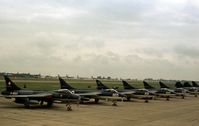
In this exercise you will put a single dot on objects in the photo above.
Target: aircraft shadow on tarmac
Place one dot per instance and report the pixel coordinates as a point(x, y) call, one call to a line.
point(14, 106)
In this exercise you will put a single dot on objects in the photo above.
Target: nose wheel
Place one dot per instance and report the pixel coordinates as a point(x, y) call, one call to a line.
point(68, 107)
point(114, 103)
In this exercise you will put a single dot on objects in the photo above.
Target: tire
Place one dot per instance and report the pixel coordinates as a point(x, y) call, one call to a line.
point(49, 103)
point(96, 100)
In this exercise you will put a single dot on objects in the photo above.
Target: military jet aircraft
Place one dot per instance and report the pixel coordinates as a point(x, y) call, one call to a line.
point(31, 97)
point(178, 91)
point(187, 86)
point(194, 84)
point(86, 94)
point(101, 86)
point(162, 92)
point(129, 93)
point(139, 93)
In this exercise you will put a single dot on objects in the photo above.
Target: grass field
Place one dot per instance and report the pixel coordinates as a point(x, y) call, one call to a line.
point(53, 84)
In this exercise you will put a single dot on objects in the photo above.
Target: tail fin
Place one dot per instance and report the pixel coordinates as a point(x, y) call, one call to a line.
point(64, 85)
point(100, 85)
point(10, 85)
point(127, 85)
point(147, 86)
point(162, 85)
point(195, 84)
point(178, 84)
point(187, 84)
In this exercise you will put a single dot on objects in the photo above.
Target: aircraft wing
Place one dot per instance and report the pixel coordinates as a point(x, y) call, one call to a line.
point(65, 100)
point(108, 98)
point(28, 96)
point(127, 92)
point(89, 93)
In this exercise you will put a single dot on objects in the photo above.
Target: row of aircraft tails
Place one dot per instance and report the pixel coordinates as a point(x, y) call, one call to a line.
point(68, 94)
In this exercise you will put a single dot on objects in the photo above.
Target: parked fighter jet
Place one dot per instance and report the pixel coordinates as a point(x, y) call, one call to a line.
point(30, 97)
point(129, 93)
point(186, 86)
point(107, 94)
point(190, 88)
point(139, 93)
point(178, 91)
point(162, 92)
point(101, 86)
point(194, 84)
point(85, 93)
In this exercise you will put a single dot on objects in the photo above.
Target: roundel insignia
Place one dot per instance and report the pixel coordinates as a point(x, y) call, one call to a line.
point(9, 83)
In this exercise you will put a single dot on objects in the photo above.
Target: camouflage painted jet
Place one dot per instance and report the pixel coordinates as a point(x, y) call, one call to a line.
point(31, 97)
point(87, 94)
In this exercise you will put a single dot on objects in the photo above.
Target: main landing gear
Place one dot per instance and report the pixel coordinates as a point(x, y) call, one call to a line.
point(68, 107)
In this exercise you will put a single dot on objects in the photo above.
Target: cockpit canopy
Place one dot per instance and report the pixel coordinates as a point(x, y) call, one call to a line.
point(64, 91)
point(111, 90)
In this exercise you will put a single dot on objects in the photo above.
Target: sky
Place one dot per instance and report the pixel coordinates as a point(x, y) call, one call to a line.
point(118, 38)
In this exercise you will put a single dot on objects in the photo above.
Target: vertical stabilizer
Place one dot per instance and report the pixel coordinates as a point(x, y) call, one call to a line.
point(147, 86)
point(178, 85)
point(64, 84)
point(127, 85)
point(10, 85)
point(100, 85)
point(162, 85)
point(195, 84)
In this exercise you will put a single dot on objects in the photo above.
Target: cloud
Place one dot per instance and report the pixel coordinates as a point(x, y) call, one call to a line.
point(190, 52)
point(127, 39)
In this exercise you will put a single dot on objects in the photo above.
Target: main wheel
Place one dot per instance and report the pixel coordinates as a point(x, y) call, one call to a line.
point(96, 100)
point(27, 106)
point(128, 98)
point(41, 103)
point(27, 103)
point(69, 108)
point(49, 103)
